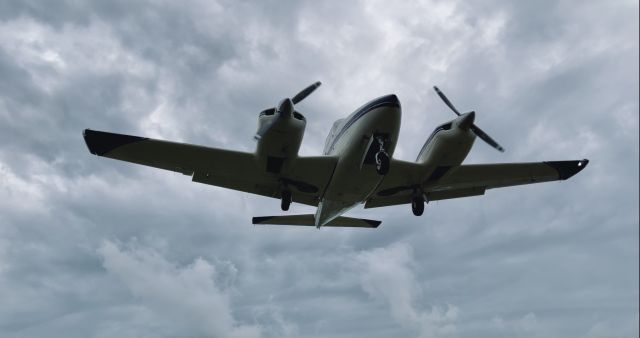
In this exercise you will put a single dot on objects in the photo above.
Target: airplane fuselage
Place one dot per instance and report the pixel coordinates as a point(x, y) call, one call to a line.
point(354, 141)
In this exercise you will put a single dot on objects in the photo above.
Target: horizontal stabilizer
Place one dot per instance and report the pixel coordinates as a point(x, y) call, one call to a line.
point(308, 220)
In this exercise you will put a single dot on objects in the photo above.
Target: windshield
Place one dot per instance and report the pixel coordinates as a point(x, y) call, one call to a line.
point(332, 134)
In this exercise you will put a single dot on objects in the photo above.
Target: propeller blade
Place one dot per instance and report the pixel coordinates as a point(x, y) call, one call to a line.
point(285, 109)
point(446, 101)
point(485, 137)
point(305, 92)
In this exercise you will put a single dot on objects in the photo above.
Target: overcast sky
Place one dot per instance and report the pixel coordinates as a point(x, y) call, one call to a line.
point(92, 247)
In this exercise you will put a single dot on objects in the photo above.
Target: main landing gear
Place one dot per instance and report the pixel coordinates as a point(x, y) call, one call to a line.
point(417, 205)
point(382, 158)
point(286, 200)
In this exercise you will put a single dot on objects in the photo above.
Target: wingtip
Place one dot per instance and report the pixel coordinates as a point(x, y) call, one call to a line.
point(567, 169)
point(101, 142)
point(86, 135)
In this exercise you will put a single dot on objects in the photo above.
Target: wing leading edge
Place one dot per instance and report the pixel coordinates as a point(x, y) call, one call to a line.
point(467, 180)
point(307, 176)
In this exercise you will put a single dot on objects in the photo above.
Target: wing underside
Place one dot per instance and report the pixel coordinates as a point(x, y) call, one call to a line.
point(466, 180)
point(306, 177)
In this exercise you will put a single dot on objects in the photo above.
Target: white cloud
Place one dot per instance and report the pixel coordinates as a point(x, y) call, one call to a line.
point(386, 275)
point(182, 296)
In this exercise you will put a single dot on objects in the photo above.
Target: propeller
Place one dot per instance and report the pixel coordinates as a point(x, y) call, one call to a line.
point(305, 92)
point(286, 108)
point(479, 132)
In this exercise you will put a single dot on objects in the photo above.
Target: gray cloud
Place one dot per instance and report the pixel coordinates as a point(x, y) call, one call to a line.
point(549, 80)
point(387, 274)
point(184, 298)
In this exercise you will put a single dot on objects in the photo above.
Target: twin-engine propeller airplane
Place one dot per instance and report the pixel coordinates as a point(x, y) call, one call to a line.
point(356, 166)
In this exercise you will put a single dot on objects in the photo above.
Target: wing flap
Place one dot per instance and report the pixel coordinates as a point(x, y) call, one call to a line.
point(385, 201)
point(405, 197)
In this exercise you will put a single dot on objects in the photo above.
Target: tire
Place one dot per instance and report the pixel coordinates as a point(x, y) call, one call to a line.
point(417, 206)
point(285, 202)
point(382, 163)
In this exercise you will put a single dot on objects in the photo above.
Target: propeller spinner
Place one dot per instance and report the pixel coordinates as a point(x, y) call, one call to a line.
point(479, 132)
point(286, 108)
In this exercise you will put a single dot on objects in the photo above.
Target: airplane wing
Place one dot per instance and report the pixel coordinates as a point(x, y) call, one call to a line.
point(220, 167)
point(466, 180)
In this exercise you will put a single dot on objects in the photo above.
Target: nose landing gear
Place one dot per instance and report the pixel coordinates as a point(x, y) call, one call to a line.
point(382, 163)
point(382, 159)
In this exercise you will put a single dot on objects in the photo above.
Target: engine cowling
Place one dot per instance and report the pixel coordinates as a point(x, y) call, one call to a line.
point(448, 145)
point(282, 140)
point(280, 132)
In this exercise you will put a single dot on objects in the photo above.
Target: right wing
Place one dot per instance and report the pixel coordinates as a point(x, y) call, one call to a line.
point(492, 176)
point(468, 180)
point(306, 177)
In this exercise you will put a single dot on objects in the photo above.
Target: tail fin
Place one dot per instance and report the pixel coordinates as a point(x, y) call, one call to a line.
point(308, 220)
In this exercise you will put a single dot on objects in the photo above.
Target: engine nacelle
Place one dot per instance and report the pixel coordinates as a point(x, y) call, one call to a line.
point(448, 145)
point(282, 140)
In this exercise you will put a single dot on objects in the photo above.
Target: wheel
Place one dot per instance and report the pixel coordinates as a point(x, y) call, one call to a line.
point(417, 206)
point(382, 163)
point(286, 200)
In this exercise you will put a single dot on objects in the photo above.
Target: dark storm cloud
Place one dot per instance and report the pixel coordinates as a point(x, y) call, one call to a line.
point(93, 247)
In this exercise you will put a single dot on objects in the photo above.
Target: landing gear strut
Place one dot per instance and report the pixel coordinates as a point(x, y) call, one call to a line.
point(417, 205)
point(382, 158)
point(286, 200)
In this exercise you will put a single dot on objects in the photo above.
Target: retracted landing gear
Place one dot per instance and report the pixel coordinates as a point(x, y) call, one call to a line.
point(286, 200)
point(417, 205)
point(382, 158)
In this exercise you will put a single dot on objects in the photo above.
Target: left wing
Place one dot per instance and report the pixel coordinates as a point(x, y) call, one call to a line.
point(466, 180)
point(306, 177)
